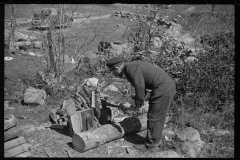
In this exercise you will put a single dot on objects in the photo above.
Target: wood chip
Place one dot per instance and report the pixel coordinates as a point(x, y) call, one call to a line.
point(131, 152)
point(69, 154)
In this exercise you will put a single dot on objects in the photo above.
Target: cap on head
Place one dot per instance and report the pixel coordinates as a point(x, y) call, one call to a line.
point(114, 62)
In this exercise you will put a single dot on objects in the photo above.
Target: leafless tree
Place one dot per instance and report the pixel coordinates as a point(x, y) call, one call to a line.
point(13, 26)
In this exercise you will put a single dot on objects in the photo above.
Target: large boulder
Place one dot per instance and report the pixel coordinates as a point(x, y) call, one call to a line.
point(34, 96)
point(193, 149)
point(192, 145)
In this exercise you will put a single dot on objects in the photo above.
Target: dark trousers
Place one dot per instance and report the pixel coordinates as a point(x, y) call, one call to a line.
point(156, 116)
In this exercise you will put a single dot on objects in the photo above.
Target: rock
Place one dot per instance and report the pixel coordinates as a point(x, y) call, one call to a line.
point(176, 28)
point(92, 57)
point(111, 88)
point(192, 145)
point(168, 134)
point(191, 9)
point(190, 59)
point(8, 58)
point(189, 134)
point(32, 53)
point(92, 82)
point(68, 59)
point(193, 148)
point(156, 41)
point(187, 39)
point(35, 96)
point(22, 36)
point(117, 48)
point(22, 43)
point(37, 44)
point(166, 154)
point(121, 26)
point(28, 128)
point(40, 128)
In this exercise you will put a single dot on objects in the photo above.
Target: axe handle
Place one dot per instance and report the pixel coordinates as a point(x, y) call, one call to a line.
point(112, 105)
point(93, 99)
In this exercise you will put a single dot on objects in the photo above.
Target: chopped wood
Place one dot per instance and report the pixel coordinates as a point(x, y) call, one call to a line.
point(69, 154)
point(70, 106)
point(49, 155)
point(10, 122)
point(24, 154)
point(84, 101)
point(90, 139)
point(13, 143)
point(131, 152)
point(17, 150)
point(81, 121)
point(84, 96)
point(12, 133)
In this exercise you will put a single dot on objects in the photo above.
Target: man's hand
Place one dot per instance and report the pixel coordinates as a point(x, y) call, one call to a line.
point(127, 106)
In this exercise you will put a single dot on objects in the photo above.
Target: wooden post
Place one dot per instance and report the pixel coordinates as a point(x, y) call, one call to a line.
point(90, 139)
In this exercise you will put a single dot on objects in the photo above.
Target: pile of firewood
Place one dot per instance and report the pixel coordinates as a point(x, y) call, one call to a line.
point(14, 144)
point(80, 112)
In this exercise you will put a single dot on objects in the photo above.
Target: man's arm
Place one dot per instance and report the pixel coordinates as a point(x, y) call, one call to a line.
point(134, 74)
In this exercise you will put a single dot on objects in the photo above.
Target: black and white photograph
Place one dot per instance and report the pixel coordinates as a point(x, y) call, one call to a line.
point(119, 80)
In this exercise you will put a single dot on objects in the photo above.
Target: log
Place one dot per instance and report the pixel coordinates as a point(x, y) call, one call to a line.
point(12, 133)
point(24, 154)
point(15, 142)
point(16, 150)
point(10, 122)
point(81, 121)
point(91, 139)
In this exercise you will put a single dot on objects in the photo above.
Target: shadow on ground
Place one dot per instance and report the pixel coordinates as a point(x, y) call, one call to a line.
point(63, 131)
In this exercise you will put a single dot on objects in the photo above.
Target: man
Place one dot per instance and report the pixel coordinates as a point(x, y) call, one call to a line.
point(142, 76)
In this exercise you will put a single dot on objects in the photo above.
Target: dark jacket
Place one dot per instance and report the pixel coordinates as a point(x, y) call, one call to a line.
point(143, 75)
